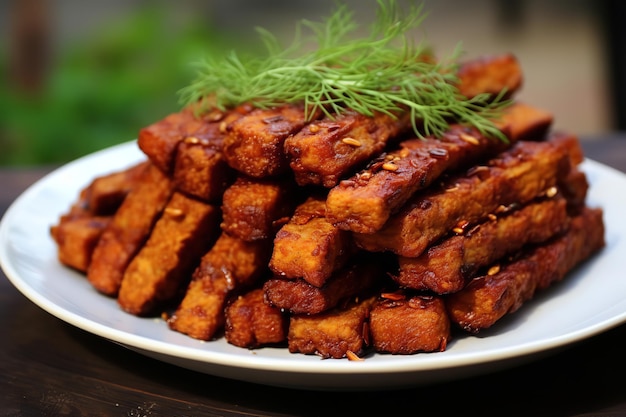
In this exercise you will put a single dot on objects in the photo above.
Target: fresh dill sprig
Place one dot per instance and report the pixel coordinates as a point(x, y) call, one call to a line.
point(383, 71)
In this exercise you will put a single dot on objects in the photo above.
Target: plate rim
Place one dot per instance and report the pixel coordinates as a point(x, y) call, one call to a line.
point(436, 361)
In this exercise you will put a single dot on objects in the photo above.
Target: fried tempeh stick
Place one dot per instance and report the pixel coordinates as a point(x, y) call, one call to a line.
point(365, 202)
point(328, 149)
point(299, 297)
point(200, 168)
point(160, 139)
point(521, 121)
point(333, 334)
point(321, 247)
point(516, 176)
point(254, 143)
point(128, 230)
point(447, 266)
point(76, 238)
point(411, 324)
point(488, 298)
point(252, 323)
point(256, 208)
point(78, 231)
point(230, 266)
point(106, 193)
point(185, 231)
point(490, 75)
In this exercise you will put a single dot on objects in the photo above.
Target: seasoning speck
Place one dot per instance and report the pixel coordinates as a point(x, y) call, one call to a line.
point(469, 139)
point(351, 142)
point(493, 270)
point(390, 166)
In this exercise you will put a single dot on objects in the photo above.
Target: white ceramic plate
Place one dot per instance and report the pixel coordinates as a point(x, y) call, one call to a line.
point(591, 300)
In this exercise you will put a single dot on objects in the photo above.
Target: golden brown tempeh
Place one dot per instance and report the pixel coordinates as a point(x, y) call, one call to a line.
point(516, 176)
point(322, 247)
point(328, 149)
point(106, 193)
point(332, 334)
point(128, 230)
point(76, 238)
point(252, 323)
point(447, 266)
point(490, 75)
point(521, 121)
point(256, 208)
point(410, 324)
point(230, 266)
point(200, 169)
point(78, 231)
point(185, 231)
point(299, 297)
point(159, 140)
point(365, 202)
point(254, 143)
point(488, 298)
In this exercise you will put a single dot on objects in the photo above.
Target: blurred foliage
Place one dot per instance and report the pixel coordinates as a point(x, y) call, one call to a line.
point(103, 88)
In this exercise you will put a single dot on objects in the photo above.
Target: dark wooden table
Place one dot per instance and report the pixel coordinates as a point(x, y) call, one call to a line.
point(50, 368)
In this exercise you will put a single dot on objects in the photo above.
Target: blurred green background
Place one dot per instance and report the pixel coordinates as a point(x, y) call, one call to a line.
point(99, 89)
point(78, 76)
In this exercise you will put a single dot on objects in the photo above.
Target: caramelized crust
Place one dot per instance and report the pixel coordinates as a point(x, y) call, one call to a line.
point(322, 247)
point(488, 298)
point(160, 139)
point(154, 277)
point(230, 266)
point(516, 176)
point(200, 169)
point(252, 323)
point(128, 230)
point(333, 334)
point(299, 297)
point(254, 143)
point(329, 149)
point(412, 324)
point(255, 208)
point(446, 267)
point(365, 202)
point(490, 75)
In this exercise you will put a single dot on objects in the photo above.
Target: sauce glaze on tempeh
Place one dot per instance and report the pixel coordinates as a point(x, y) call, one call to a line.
point(516, 176)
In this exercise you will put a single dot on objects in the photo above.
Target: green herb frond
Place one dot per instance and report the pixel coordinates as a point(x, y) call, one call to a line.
point(331, 71)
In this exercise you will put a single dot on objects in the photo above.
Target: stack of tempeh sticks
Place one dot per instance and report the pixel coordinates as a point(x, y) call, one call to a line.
point(336, 236)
